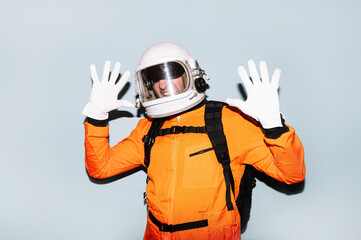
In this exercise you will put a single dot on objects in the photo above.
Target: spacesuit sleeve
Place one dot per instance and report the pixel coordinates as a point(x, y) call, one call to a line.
point(102, 160)
point(286, 158)
point(281, 158)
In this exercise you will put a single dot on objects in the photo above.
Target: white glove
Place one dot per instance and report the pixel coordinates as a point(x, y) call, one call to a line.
point(104, 94)
point(262, 101)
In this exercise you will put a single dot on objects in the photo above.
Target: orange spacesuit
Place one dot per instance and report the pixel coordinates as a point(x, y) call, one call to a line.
point(186, 182)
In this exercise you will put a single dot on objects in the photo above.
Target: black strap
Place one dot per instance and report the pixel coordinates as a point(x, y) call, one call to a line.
point(177, 227)
point(181, 129)
point(213, 120)
point(150, 138)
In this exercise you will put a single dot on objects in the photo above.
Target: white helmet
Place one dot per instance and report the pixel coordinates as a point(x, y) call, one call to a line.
point(169, 80)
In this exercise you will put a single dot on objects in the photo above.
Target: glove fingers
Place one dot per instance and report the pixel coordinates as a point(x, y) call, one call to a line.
point(253, 71)
point(244, 77)
point(276, 78)
point(115, 73)
point(93, 73)
point(123, 80)
point(264, 72)
point(106, 71)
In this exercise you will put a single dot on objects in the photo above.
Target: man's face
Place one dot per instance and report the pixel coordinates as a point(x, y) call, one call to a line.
point(163, 88)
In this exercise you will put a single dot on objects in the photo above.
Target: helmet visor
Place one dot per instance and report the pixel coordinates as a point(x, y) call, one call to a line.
point(163, 80)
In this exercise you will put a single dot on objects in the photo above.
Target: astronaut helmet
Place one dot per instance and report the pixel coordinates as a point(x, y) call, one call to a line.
point(169, 80)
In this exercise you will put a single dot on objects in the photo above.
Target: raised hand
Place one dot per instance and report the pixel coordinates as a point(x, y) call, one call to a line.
point(262, 101)
point(104, 94)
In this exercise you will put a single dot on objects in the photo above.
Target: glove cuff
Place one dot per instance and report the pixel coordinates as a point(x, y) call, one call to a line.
point(97, 123)
point(271, 121)
point(276, 132)
point(91, 112)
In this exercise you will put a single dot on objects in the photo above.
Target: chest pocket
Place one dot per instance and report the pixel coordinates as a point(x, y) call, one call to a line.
point(201, 168)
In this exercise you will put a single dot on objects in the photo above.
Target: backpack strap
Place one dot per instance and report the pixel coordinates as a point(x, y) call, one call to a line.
point(150, 138)
point(244, 199)
point(213, 120)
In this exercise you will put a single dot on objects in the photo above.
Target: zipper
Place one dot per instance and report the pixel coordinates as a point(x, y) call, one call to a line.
point(200, 152)
point(173, 181)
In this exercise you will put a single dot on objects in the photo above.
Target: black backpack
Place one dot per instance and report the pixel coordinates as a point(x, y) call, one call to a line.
point(214, 128)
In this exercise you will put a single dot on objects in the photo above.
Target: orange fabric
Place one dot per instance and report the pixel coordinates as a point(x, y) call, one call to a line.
point(184, 188)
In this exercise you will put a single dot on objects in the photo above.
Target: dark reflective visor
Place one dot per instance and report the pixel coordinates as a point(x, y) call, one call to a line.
point(169, 70)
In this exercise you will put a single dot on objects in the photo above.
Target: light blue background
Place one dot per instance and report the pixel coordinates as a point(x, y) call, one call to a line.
point(45, 52)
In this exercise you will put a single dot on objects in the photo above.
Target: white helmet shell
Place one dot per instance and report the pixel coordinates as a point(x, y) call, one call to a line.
point(161, 57)
point(163, 51)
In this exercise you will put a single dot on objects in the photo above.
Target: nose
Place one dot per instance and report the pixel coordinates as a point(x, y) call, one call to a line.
point(162, 84)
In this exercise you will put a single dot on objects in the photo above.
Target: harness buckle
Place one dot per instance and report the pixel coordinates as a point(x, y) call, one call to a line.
point(166, 228)
point(177, 129)
point(148, 140)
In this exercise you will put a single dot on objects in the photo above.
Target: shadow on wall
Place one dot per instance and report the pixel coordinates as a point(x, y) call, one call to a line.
point(116, 177)
point(282, 187)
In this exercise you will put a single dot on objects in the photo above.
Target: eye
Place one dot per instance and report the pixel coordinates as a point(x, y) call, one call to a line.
point(149, 85)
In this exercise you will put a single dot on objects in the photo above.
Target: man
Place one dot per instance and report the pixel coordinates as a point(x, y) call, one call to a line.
point(188, 192)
